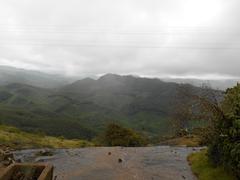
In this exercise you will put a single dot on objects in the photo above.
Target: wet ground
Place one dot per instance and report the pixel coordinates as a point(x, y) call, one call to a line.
point(117, 163)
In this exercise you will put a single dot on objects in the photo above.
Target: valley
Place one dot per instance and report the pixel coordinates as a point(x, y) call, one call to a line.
point(83, 108)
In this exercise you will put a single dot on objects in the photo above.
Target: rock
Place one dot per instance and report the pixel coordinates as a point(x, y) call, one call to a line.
point(120, 160)
point(109, 153)
point(44, 152)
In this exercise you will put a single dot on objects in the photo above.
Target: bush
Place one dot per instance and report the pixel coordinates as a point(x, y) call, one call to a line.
point(225, 147)
point(204, 135)
point(204, 170)
point(116, 135)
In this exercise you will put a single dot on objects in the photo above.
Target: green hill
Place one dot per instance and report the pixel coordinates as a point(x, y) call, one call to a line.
point(10, 75)
point(17, 139)
point(84, 108)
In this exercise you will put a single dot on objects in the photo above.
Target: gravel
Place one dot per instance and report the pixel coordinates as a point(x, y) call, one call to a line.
point(116, 163)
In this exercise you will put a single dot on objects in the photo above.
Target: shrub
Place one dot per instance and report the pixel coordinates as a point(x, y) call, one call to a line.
point(204, 170)
point(116, 135)
point(225, 146)
point(204, 135)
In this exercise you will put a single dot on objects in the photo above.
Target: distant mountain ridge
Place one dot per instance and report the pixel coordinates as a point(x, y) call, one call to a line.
point(10, 75)
point(215, 84)
point(83, 108)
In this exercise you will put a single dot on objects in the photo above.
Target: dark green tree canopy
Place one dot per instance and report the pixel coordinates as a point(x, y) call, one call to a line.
point(225, 147)
point(116, 135)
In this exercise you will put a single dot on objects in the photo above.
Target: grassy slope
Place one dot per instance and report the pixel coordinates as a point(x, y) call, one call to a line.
point(84, 108)
point(17, 139)
point(203, 169)
point(189, 141)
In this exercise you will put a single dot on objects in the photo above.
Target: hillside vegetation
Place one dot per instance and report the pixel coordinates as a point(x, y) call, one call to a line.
point(17, 139)
point(116, 135)
point(10, 75)
point(224, 148)
point(84, 108)
point(222, 136)
point(204, 170)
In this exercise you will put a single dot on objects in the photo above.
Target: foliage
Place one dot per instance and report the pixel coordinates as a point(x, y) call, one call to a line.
point(53, 125)
point(82, 109)
point(189, 109)
point(203, 134)
point(204, 170)
point(225, 146)
point(116, 135)
point(17, 139)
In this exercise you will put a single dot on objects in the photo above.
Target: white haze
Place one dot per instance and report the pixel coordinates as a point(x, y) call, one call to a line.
point(154, 38)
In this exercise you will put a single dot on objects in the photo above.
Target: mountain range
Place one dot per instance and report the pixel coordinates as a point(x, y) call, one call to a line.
point(83, 108)
point(10, 75)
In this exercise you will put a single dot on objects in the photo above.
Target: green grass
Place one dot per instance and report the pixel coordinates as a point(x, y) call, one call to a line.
point(189, 141)
point(17, 139)
point(204, 170)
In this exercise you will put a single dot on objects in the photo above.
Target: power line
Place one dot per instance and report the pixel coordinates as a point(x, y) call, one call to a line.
point(155, 33)
point(176, 31)
point(120, 46)
point(107, 30)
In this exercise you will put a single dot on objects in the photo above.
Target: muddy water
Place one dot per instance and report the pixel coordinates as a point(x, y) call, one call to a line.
point(117, 163)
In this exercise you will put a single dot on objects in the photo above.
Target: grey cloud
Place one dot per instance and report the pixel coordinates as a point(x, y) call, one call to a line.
point(142, 37)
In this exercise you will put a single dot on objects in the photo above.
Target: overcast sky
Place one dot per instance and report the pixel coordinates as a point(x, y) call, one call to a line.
point(158, 38)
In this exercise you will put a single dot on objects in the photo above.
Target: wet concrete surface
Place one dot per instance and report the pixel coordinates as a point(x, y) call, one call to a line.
point(117, 163)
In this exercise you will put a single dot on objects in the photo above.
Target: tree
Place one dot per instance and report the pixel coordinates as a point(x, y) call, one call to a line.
point(181, 114)
point(190, 106)
point(222, 114)
point(116, 135)
point(196, 111)
point(225, 147)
